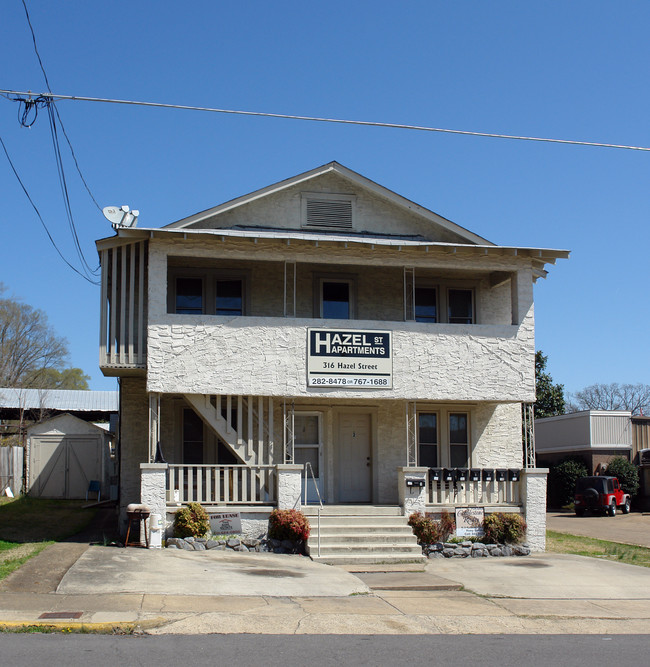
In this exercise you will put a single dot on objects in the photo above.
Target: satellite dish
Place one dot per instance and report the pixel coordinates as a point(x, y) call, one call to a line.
point(120, 216)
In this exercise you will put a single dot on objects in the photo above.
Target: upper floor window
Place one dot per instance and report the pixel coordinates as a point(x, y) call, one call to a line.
point(189, 296)
point(207, 292)
point(229, 297)
point(336, 299)
point(460, 306)
point(426, 304)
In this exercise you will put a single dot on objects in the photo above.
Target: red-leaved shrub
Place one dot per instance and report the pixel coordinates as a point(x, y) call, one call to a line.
point(288, 525)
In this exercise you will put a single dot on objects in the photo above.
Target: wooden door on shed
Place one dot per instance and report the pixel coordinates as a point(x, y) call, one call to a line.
point(48, 466)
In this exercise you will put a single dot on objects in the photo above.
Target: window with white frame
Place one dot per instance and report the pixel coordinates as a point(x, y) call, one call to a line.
point(428, 439)
point(458, 439)
point(443, 439)
point(335, 298)
point(426, 304)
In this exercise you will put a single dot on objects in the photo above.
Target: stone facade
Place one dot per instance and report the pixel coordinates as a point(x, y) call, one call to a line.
point(534, 495)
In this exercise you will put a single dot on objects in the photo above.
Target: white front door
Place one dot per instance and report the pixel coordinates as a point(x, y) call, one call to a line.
point(308, 448)
point(355, 469)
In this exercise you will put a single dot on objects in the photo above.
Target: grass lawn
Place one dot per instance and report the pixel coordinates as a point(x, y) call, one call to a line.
point(561, 543)
point(28, 525)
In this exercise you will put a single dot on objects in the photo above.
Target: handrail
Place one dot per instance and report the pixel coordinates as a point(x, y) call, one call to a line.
point(320, 500)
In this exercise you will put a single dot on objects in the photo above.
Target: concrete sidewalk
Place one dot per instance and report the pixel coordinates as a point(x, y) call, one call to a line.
point(545, 594)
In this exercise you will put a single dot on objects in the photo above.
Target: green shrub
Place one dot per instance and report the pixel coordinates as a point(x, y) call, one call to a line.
point(191, 521)
point(626, 472)
point(504, 528)
point(425, 529)
point(562, 480)
point(288, 525)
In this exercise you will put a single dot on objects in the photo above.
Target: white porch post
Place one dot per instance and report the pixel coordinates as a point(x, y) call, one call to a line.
point(533, 496)
point(412, 498)
point(153, 492)
point(289, 476)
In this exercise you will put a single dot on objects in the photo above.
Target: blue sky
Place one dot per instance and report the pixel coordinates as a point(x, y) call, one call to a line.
point(573, 70)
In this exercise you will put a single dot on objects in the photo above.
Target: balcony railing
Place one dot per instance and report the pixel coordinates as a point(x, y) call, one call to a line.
point(474, 487)
point(219, 485)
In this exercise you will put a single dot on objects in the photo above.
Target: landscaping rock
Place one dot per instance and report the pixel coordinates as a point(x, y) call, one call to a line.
point(233, 543)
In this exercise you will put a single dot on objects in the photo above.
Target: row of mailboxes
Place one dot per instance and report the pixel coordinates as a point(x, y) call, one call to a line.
point(473, 475)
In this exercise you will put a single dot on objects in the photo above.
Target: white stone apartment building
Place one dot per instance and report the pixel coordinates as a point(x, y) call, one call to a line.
point(323, 323)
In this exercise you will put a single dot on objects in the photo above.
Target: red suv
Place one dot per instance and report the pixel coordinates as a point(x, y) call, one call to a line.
point(600, 494)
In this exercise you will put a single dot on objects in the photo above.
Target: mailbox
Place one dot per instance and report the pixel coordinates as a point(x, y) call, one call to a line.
point(513, 474)
point(460, 474)
point(502, 475)
point(448, 475)
point(474, 475)
point(488, 475)
point(414, 481)
point(435, 475)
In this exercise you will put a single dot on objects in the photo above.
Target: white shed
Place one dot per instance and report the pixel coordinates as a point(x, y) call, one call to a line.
point(64, 454)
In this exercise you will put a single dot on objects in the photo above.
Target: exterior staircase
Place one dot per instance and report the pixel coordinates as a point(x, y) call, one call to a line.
point(361, 534)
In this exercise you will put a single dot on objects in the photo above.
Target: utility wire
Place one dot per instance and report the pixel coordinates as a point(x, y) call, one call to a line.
point(40, 217)
point(342, 121)
point(49, 104)
point(47, 83)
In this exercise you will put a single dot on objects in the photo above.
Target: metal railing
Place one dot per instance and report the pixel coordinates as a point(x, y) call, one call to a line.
point(218, 484)
point(320, 500)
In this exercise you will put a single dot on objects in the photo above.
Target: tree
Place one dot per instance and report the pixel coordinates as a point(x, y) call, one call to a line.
point(626, 473)
point(28, 345)
point(550, 397)
point(562, 480)
point(67, 378)
point(632, 397)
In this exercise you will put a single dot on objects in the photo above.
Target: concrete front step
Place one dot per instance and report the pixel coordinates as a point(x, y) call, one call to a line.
point(358, 522)
point(362, 534)
point(366, 538)
point(352, 510)
point(365, 548)
point(376, 558)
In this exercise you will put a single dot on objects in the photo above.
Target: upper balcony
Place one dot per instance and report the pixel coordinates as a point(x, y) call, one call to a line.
point(234, 317)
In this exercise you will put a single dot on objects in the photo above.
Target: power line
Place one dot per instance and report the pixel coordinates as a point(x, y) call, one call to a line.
point(40, 217)
point(52, 110)
point(342, 121)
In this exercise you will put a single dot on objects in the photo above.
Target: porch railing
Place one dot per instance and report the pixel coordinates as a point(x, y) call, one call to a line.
point(474, 493)
point(218, 485)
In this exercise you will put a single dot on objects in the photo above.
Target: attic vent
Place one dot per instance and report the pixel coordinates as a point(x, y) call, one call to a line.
point(326, 212)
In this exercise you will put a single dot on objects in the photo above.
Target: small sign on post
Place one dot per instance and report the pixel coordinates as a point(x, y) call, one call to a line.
point(225, 523)
point(469, 521)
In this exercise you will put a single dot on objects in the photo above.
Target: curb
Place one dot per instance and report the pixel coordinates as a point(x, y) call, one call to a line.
point(77, 627)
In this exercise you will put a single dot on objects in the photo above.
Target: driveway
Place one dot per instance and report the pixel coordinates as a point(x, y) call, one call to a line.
point(102, 570)
point(633, 528)
point(547, 576)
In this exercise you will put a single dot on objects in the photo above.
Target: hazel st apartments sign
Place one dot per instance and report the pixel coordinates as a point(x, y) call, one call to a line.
point(349, 358)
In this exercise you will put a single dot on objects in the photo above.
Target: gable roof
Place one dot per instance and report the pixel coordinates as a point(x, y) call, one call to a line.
point(349, 175)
